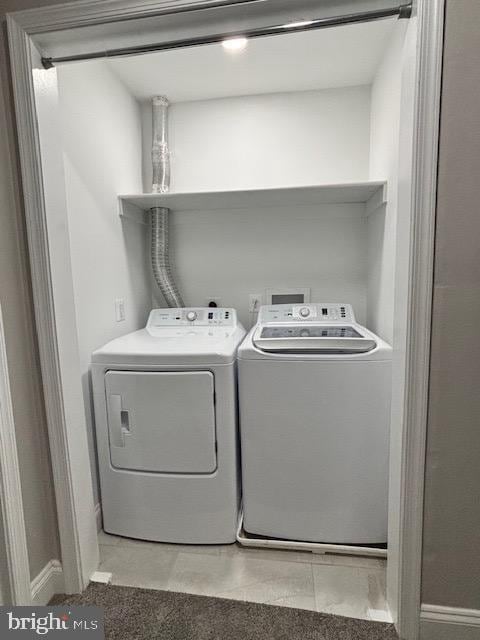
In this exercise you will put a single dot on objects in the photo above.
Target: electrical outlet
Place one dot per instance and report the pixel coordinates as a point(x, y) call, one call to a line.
point(120, 309)
point(213, 301)
point(255, 301)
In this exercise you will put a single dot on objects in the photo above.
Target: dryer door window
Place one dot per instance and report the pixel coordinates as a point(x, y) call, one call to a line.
point(161, 421)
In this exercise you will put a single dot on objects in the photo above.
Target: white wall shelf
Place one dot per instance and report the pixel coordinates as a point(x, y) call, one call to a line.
point(373, 194)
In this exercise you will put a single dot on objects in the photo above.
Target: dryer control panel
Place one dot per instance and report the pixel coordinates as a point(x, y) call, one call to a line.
point(318, 312)
point(192, 316)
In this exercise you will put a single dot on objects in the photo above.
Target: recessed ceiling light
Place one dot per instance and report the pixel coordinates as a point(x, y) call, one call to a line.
point(235, 44)
point(297, 25)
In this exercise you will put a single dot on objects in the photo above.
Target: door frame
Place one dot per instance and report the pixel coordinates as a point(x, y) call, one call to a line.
point(70, 487)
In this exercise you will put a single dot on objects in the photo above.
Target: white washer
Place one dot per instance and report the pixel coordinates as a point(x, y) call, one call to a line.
point(166, 421)
point(314, 389)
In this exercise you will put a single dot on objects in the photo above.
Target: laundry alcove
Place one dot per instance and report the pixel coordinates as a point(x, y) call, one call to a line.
point(286, 162)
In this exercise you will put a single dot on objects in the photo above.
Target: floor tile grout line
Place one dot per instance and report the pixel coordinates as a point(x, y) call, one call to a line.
point(375, 568)
point(126, 543)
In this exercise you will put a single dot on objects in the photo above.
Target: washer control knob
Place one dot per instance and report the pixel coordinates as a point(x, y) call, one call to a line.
point(191, 316)
point(304, 312)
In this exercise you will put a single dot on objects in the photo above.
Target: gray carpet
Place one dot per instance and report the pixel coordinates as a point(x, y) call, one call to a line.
point(141, 614)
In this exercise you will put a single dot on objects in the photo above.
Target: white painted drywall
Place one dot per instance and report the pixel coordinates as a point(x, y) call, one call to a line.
point(262, 141)
point(385, 131)
point(230, 254)
point(59, 247)
point(101, 137)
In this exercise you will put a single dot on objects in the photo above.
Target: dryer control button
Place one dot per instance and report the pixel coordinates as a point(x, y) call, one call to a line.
point(191, 316)
point(304, 312)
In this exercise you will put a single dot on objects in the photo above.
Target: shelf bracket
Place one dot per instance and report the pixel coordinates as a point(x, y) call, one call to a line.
point(131, 212)
point(377, 200)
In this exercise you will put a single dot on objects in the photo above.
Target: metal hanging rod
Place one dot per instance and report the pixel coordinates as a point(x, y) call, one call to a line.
point(402, 11)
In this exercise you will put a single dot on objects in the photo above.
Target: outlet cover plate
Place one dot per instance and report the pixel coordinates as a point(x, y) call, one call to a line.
point(120, 309)
point(216, 299)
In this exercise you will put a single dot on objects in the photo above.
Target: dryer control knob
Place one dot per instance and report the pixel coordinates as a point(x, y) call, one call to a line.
point(304, 312)
point(191, 316)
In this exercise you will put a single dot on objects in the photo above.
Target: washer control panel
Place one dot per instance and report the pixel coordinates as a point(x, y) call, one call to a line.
point(321, 312)
point(198, 317)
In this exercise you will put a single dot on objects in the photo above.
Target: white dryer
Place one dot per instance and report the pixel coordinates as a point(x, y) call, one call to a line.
point(314, 389)
point(166, 421)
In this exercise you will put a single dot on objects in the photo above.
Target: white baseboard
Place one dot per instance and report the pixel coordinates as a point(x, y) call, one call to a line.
point(48, 582)
point(98, 516)
point(449, 623)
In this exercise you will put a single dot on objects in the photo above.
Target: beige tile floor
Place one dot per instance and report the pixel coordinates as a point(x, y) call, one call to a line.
point(343, 585)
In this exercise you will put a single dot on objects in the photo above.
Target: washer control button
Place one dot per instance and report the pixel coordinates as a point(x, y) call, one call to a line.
point(304, 312)
point(191, 316)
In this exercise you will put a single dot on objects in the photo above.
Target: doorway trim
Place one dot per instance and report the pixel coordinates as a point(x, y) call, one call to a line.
point(431, 14)
point(21, 27)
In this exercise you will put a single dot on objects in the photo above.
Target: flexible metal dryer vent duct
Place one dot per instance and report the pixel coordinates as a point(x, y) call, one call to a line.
point(160, 257)
point(159, 216)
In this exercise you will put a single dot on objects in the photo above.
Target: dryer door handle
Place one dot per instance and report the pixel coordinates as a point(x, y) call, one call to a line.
point(118, 421)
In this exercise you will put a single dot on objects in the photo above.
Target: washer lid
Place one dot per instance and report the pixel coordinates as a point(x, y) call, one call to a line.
point(312, 338)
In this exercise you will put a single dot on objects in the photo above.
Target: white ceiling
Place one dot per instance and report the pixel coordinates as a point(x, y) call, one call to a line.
point(327, 58)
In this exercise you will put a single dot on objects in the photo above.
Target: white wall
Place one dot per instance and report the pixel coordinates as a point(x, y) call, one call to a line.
point(384, 141)
point(272, 140)
point(101, 131)
point(230, 254)
point(260, 141)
